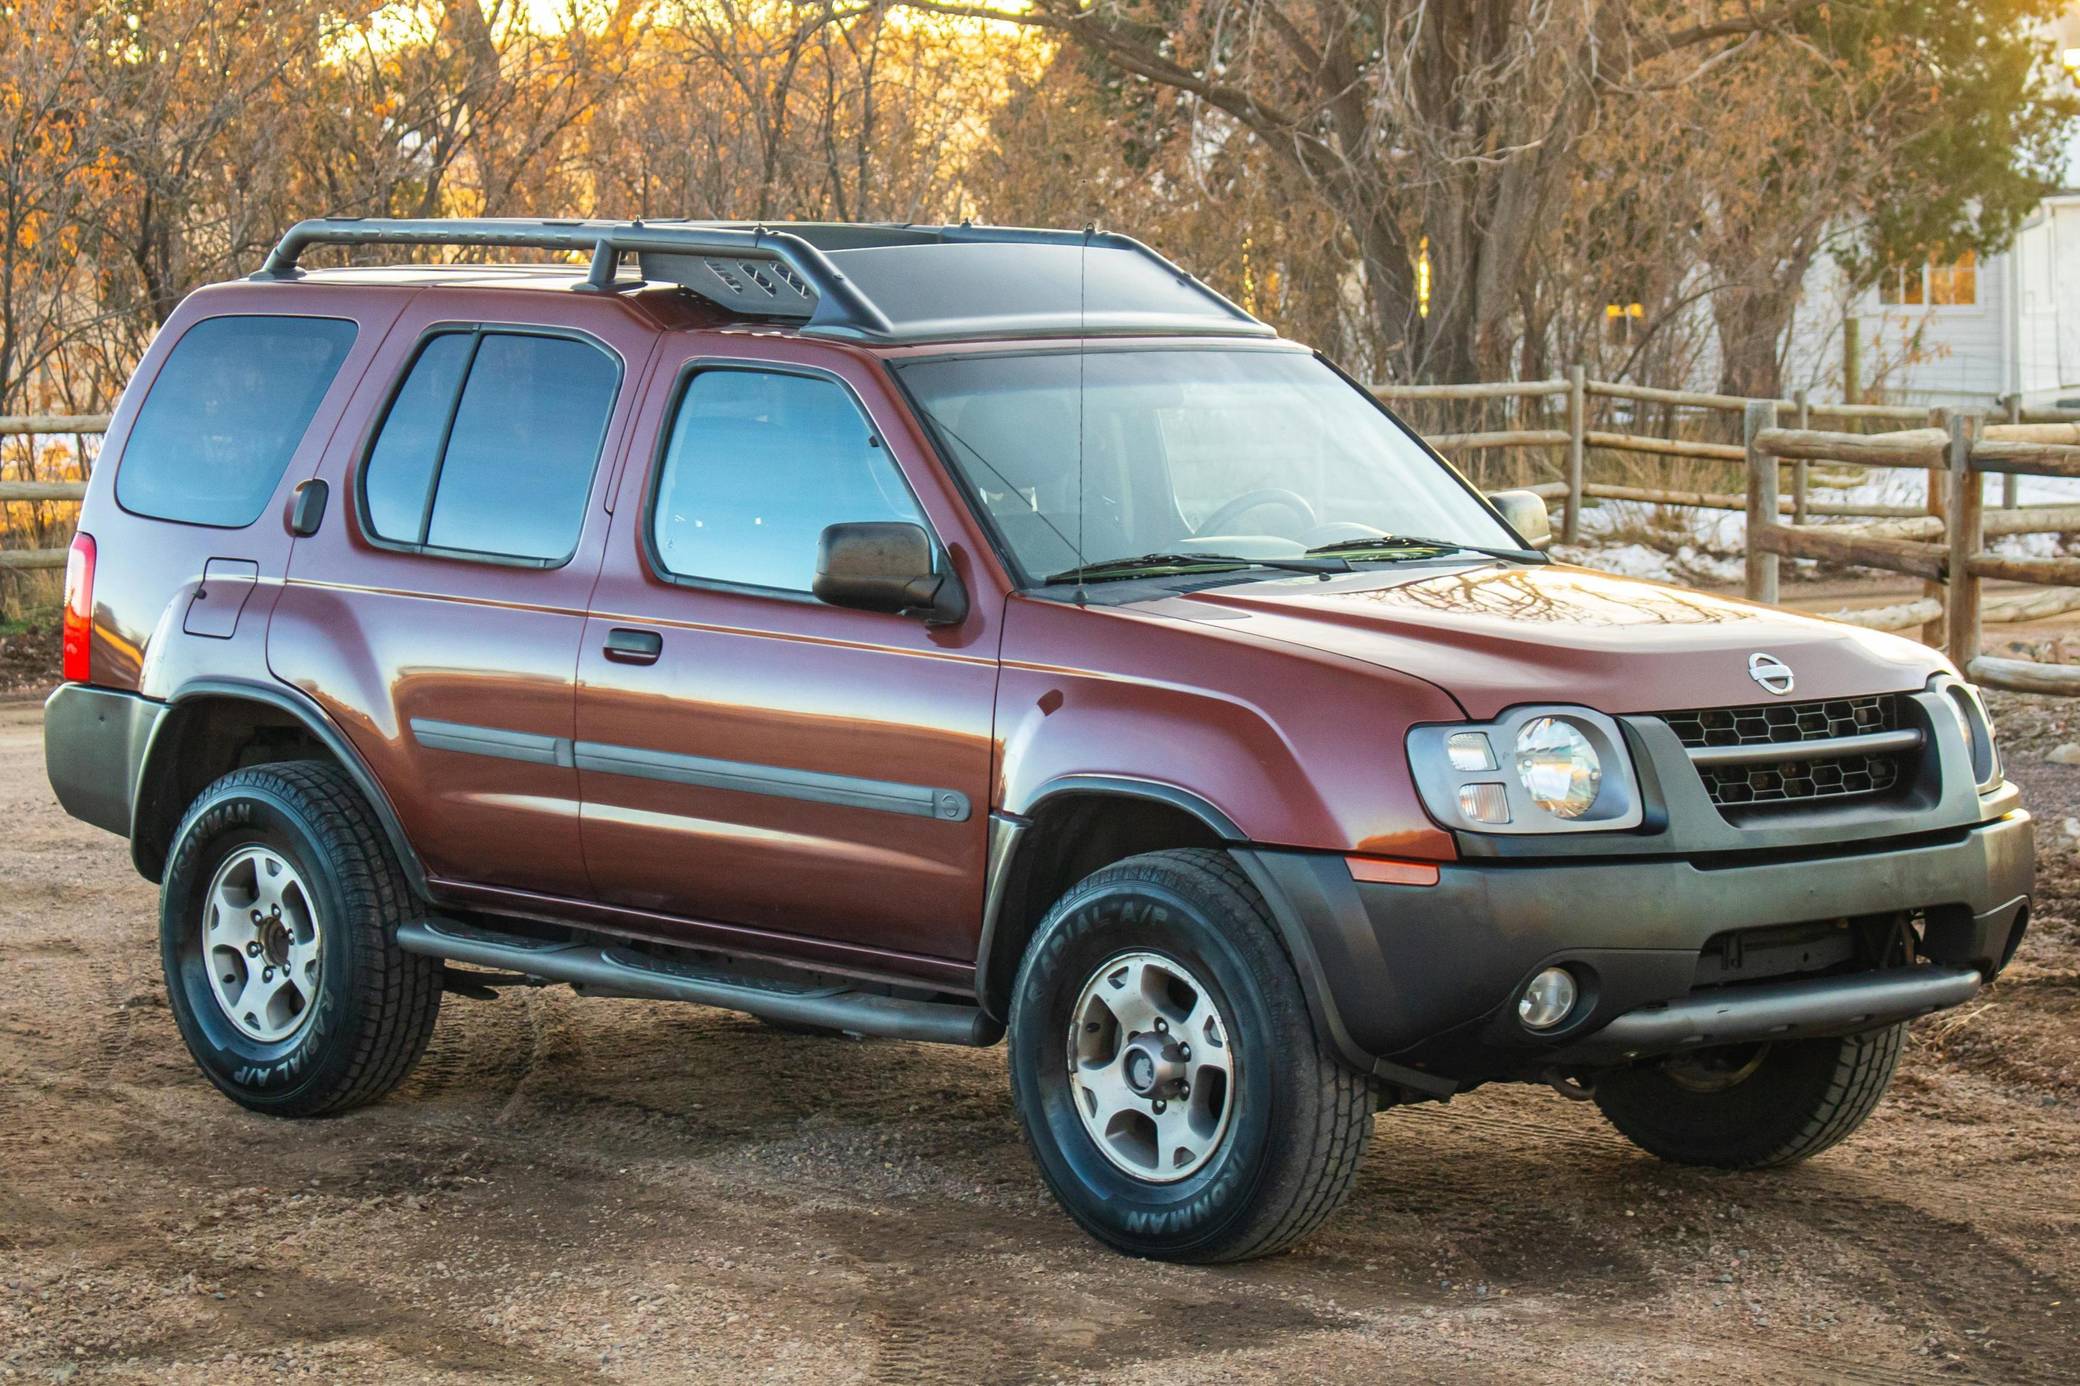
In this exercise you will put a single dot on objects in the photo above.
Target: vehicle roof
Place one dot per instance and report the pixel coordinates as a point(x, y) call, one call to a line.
point(873, 284)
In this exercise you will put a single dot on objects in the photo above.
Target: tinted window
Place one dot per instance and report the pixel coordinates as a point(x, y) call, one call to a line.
point(225, 415)
point(399, 476)
point(505, 468)
point(757, 465)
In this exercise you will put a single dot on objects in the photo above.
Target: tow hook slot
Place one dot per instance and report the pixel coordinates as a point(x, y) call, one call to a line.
point(1575, 1087)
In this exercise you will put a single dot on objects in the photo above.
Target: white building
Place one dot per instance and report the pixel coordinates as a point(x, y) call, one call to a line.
point(1969, 332)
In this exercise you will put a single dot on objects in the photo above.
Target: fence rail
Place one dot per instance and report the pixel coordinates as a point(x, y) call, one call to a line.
point(43, 425)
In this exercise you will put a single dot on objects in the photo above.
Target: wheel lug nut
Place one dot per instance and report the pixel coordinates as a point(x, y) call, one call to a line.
point(1163, 1026)
point(253, 950)
point(1160, 1104)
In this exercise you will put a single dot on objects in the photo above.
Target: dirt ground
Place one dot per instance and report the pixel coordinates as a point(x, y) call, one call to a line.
point(624, 1190)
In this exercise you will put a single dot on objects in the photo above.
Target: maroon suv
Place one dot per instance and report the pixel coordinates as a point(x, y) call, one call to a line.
point(934, 632)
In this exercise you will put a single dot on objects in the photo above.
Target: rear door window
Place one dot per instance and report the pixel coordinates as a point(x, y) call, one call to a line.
point(226, 414)
point(490, 445)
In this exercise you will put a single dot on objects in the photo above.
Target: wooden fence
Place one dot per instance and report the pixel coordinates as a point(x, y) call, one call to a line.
point(44, 425)
point(1947, 550)
point(1577, 436)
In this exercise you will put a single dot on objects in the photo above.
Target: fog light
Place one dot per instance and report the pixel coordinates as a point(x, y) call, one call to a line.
point(1549, 998)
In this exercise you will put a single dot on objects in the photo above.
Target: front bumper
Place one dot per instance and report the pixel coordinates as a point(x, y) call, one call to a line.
point(1425, 978)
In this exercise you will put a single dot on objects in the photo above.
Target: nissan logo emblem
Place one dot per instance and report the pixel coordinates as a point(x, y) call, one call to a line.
point(1769, 671)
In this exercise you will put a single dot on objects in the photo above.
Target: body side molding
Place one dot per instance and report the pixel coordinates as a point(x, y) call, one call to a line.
point(705, 772)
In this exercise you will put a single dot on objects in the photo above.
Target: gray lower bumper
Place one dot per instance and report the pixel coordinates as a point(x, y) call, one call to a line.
point(94, 742)
point(1424, 977)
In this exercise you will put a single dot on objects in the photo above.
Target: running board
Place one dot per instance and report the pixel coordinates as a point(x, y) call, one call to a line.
point(597, 970)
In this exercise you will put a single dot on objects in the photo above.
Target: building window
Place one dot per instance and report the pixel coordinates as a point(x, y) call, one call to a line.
point(1946, 284)
point(1622, 322)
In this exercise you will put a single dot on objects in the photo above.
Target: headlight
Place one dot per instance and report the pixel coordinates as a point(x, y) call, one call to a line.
point(1558, 767)
point(1976, 724)
point(1531, 770)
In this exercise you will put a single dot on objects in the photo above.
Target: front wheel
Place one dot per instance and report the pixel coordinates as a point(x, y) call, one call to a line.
point(1167, 1073)
point(1752, 1106)
point(277, 923)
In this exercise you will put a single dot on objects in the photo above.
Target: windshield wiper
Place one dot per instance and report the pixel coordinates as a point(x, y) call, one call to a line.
point(1345, 547)
point(1129, 567)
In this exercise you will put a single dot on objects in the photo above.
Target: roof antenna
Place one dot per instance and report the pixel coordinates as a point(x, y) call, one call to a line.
point(1082, 350)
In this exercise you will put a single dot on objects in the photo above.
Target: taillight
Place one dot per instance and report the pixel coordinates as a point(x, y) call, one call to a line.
point(79, 609)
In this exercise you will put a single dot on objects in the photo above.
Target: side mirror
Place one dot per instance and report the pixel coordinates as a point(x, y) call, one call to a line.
point(1526, 513)
point(886, 565)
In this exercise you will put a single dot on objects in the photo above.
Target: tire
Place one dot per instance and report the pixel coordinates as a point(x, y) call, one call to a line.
point(1759, 1106)
point(353, 1026)
point(1277, 1133)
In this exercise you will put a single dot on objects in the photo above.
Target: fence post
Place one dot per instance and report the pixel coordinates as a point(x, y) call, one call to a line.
point(1798, 469)
point(2010, 479)
point(1852, 364)
point(1966, 528)
point(1936, 632)
point(1762, 499)
point(1577, 452)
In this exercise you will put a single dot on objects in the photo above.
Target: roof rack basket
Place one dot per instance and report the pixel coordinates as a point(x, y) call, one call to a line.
point(789, 272)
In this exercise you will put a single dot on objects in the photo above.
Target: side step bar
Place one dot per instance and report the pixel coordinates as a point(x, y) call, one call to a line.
point(1778, 1010)
point(598, 970)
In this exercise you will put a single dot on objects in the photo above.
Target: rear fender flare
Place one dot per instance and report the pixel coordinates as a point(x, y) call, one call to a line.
point(165, 743)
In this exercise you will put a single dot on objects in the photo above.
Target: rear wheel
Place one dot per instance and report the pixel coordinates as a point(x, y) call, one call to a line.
point(1752, 1106)
point(277, 931)
point(1166, 1070)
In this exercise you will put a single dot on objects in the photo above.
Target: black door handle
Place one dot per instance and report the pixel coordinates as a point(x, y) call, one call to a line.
point(625, 646)
point(308, 510)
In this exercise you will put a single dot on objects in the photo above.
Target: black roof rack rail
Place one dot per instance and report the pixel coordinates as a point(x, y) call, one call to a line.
point(837, 306)
point(789, 271)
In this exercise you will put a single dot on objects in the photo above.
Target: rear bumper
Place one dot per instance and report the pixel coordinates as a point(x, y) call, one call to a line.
point(1426, 977)
point(94, 743)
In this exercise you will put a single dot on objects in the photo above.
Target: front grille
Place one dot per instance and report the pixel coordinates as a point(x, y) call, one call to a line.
point(1792, 777)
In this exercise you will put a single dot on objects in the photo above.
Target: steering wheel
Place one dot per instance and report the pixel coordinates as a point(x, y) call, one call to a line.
point(1291, 501)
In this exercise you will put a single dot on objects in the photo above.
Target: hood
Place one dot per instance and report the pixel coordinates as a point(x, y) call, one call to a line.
point(1495, 635)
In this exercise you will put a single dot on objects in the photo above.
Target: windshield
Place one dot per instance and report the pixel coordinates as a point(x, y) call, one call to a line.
point(1249, 454)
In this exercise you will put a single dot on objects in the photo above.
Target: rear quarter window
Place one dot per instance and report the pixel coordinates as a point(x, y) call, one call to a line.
point(226, 414)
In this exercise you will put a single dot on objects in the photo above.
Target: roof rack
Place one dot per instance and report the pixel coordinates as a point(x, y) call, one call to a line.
point(863, 282)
